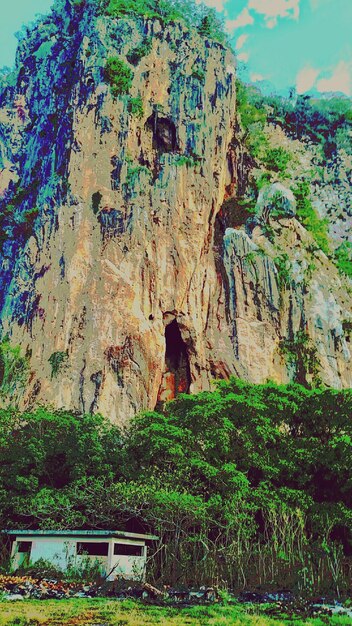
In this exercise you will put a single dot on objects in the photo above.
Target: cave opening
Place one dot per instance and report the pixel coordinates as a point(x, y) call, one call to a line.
point(164, 133)
point(177, 373)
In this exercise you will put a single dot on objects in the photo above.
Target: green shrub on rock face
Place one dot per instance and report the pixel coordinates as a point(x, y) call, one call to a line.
point(284, 268)
point(135, 107)
point(343, 258)
point(136, 54)
point(199, 17)
point(57, 360)
point(199, 74)
point(189, 161)
point(119, 76)
point(309, 218)
point(211, 27)
point(277, 159)
point(302, 355)
point(14, 370)
point(165, 11)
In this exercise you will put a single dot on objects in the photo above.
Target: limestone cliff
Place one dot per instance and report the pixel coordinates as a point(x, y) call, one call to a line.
point(123, 280)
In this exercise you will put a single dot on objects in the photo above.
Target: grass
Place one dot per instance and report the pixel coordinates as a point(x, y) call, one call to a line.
point(103, 612)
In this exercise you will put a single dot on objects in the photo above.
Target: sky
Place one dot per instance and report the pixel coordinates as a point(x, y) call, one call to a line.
point(306, 44)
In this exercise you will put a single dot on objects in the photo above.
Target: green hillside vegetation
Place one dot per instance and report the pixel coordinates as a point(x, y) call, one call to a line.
point(343, 257)
point(323, 124)
point(248, 484)
point(205, 20)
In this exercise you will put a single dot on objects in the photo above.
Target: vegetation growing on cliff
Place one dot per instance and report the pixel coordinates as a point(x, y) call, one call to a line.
point(301, 355)
point(57, 361)
point(14, 371)
point(309, 218)
point(321, 126)
point(343, 257)
point(200, 17)
point(119, 76)
point(247, 484)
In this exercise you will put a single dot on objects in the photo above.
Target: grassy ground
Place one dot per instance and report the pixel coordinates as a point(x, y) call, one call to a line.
point(100, 612)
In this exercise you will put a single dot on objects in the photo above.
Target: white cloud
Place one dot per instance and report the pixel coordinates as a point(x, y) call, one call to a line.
point(243, 56)
point(273, 9)
point(306, 78)
point(243, 19)
point(271, 23)
point(340, 79)
point(241, 41)
point(254, 78)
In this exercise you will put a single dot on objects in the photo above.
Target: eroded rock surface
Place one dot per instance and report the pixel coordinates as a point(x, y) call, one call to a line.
point(126, 240)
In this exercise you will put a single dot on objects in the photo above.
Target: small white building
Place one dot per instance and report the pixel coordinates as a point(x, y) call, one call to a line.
point(120, 554)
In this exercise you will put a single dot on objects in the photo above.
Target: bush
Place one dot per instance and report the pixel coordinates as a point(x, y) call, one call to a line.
point(277, 159)
point(239, 210)
point(307, 215)
point(57, 361)
point(343, 258)
point(137, 53)
point(39, 569)
point(205, 20)
point(135, 107)
point(160, 9)
point(119, 76)
point(302, 355)
point(188, 161)
point(14, 371)
point(199, 74)
point(212, 27)
point(284, 270)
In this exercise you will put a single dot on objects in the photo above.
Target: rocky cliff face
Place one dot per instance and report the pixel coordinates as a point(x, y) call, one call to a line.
point(121, 281)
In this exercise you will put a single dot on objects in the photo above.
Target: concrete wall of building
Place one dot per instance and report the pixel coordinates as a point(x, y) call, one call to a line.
point(62, 553)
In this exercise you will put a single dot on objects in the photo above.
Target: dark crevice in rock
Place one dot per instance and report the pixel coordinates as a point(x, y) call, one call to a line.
point(164, 133)
point(177, 373)
point(97, 379)
point(116, 172)
point(81, 387)
point(96, 199)
point(219, 231)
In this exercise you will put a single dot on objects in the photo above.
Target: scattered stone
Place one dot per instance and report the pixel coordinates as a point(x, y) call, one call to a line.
point(14, 597)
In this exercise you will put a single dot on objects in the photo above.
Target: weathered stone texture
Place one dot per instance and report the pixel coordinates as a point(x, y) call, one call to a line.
point(125, 243)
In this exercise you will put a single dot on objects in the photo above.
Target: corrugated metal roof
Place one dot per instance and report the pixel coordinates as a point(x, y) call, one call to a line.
point(80, 533)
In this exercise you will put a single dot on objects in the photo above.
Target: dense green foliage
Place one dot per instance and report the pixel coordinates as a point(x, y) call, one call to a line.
point(57, 360)
point(301, 356)
point(284, 270)
point(119, 76)
point(200, 17)
point(252, 118)
point(14, 218)
point(135, 107)
point(325, 123)
point(248, 484)
point(277, 159)
point(343, 258)
point(14, 371)
point(309, 218)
